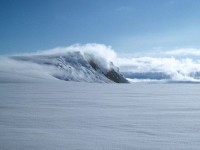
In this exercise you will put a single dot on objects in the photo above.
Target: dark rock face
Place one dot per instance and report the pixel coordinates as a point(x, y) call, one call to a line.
point(94, 65)
point(116, 77)
point(110, 74)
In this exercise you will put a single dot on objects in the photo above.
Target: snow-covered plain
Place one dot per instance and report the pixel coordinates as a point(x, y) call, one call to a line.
point(40, 112)
point(59, 115)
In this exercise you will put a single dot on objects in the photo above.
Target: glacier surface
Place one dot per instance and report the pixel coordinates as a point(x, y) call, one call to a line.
point(56, 115)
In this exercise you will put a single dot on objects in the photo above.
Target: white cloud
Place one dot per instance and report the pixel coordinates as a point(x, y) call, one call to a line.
point(179, 68)
point(94, 48)
point(183, 52)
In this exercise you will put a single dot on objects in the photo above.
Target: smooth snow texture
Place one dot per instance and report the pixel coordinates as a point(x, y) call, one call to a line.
point(19, 71)
point(88, 116)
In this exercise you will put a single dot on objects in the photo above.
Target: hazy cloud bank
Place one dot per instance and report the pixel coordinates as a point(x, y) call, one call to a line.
point(179, 64)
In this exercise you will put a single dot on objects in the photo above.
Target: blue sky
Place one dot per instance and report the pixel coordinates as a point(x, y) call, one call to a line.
point(128, 26)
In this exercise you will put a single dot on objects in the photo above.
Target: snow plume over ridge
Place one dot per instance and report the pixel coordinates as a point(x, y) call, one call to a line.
point(99, 52)
point(96, 63)
point(89, 63)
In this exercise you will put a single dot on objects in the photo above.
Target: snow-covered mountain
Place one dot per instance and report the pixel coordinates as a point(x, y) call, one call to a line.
point(95, 63)
point(69, 66)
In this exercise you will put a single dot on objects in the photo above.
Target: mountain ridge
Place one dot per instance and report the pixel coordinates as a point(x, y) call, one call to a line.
point(76, 66)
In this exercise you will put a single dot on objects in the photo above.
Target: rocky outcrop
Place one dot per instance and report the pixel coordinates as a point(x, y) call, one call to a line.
point(111, 74)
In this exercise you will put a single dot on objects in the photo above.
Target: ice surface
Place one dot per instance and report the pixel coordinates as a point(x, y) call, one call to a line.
point(57, 115)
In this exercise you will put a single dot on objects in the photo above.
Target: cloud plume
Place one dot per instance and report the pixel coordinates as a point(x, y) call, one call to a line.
point(174, 65)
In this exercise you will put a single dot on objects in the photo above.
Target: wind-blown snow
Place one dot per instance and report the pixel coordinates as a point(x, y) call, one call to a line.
point(180, 65)
point(75, 63)
point(18, 71)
